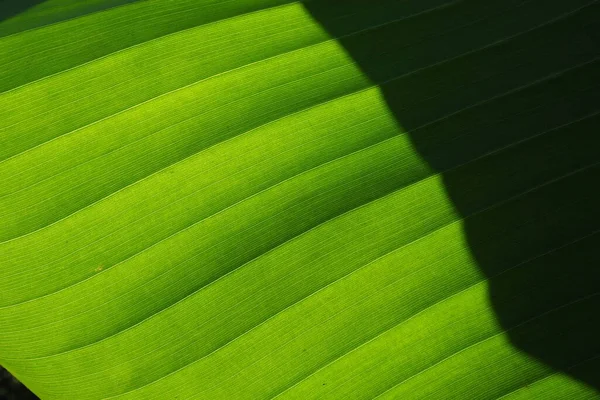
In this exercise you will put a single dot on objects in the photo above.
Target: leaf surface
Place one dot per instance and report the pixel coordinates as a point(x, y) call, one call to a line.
point(262, 199)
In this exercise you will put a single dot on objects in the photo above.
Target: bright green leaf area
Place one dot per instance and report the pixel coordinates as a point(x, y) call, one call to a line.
point(258, 199)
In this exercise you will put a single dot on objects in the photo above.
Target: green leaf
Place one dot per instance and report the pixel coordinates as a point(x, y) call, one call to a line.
point(257, 199)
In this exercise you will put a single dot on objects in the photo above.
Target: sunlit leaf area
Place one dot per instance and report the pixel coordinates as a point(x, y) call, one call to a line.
point(320, 199)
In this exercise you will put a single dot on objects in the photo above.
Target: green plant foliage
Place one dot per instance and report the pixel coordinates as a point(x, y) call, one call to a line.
point(258, 199)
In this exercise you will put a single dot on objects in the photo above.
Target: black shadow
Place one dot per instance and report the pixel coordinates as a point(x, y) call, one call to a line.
point(11, 8)
point(60, 12)
point(517, 81)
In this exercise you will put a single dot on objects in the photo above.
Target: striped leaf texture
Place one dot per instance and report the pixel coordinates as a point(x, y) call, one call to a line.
point(324, 199)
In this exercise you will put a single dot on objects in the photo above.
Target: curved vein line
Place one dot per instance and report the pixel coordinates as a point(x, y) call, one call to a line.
point(70, 19)
point(484, 280)
point(289, 3)
point(46, 50)
point(188, 119)
point(457, 221)
point(301, 300)
point(186, 158)
point(409, 378)
point(458, 353)
point(382, 83)
point(146, 73)
point(558, 127)
point(497, 204)
point(553, 374)
point(304, 48)
point(228, 273)
point(123, 261)
point(520, 264)
point(268, 188)
point(487, 77)
point(198, 290)
point(534, 382)
point(512, 91)
point(413, 316)
point(389, 139)
point(293, 148)
point(194, 155)
point(182, 88)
